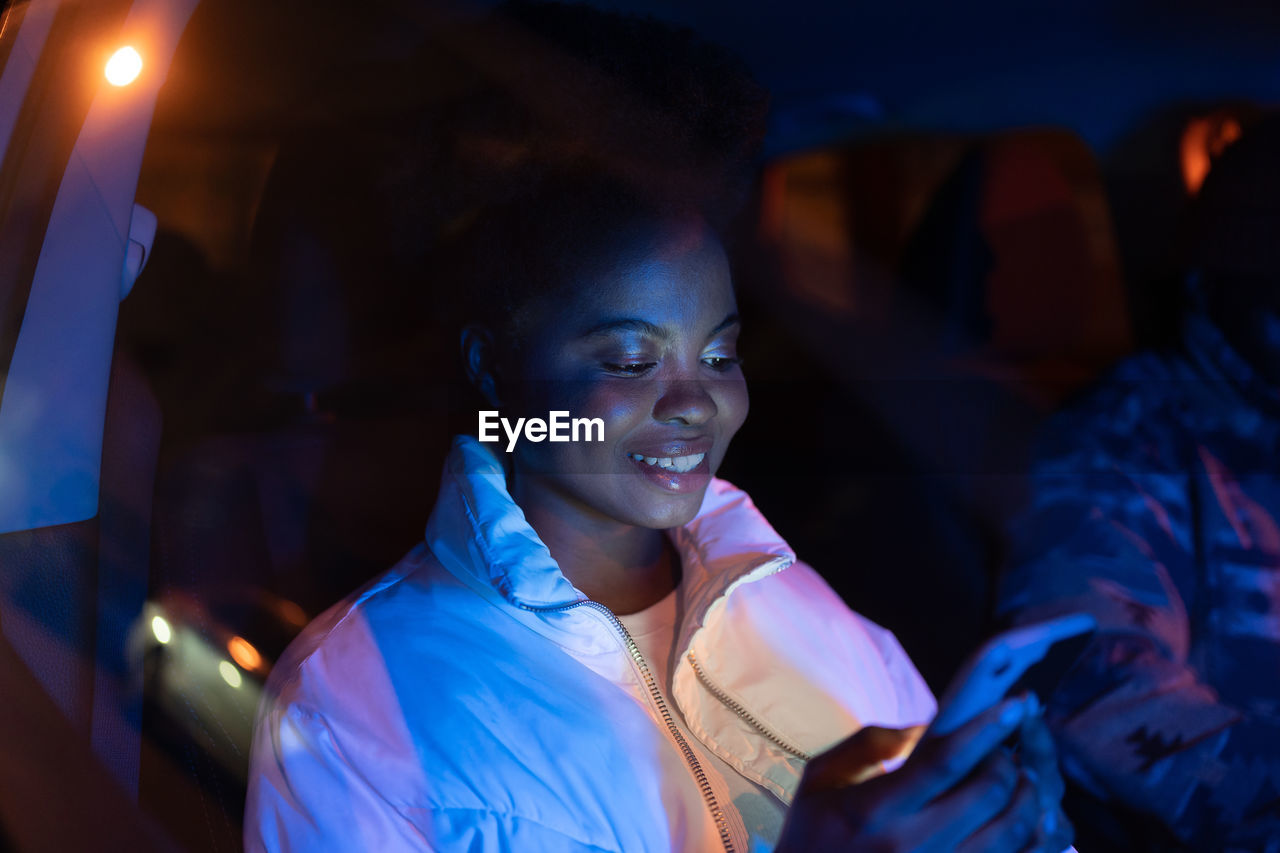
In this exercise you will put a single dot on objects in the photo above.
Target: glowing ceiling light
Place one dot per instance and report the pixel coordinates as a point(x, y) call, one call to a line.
point(243, 653)
point(229, 673)
point(124, 66)
point(160, 628)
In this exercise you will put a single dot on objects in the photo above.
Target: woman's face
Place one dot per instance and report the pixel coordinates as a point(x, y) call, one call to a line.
point(649, 347)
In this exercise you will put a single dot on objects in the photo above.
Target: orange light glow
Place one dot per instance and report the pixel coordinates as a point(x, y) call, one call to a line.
point(1203, 140)
point(124, 66)
point(243, 653)
point(292, 613)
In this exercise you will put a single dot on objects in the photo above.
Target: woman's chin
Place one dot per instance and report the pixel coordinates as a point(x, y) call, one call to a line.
point(667, 510)
point(632, 499)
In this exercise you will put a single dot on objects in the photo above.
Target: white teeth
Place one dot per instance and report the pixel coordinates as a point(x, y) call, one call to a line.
point(678, 464)
point(683, 464)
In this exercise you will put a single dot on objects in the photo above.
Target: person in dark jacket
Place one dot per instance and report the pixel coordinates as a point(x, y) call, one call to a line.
point(1155, 505)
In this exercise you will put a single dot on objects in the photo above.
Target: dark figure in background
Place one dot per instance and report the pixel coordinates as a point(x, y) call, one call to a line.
point(1156, 506)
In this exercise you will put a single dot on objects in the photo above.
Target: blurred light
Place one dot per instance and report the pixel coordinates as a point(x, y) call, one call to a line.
point(293, 614)
point(243, 653)
point(124, 66)
point(1203, 140)
point(161, 629)
point(229, 673)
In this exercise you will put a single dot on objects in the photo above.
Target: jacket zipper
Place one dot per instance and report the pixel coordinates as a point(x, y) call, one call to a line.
point(743, 714)
point(700, 775)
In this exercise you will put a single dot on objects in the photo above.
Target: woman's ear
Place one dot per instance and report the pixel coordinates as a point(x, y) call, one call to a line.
point(479, 359)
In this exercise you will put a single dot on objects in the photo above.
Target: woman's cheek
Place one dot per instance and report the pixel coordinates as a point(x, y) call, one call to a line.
point(622, 407)
point(737, 404)
point(544, 396)
point(620, 403)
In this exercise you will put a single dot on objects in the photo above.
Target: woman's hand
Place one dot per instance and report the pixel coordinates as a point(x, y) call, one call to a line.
point(1039, 760)
point(961, 791)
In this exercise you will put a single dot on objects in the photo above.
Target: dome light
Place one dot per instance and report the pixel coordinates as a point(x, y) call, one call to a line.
point(124, 66)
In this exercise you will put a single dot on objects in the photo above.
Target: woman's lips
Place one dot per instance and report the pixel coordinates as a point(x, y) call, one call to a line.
point(672, 447)
point(675, 474)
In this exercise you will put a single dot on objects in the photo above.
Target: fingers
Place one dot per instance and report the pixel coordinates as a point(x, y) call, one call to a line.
point(1040, 757)
point(1055, 832)
point(1013, 829)
point(1040, 763)
point(969, 807)
point(858, 757)
point(940, 762)
point(956, 788)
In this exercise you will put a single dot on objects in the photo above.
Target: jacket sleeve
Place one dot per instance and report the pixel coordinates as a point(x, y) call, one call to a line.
point(305, 794)
point(1110, 530)
point(915, 702)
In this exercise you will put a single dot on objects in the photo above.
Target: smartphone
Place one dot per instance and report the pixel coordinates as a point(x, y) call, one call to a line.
point(1029, 657)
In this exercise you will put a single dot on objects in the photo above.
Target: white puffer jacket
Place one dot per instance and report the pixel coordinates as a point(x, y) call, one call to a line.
point(473, 699)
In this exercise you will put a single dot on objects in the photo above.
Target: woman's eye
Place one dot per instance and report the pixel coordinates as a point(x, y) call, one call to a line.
point(722, 362)
point(631, 369)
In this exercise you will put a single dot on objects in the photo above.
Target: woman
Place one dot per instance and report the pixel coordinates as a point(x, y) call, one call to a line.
point(599, 645)
point(487, 693)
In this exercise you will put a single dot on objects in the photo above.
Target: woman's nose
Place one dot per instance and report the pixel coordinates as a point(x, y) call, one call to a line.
point(686, 401)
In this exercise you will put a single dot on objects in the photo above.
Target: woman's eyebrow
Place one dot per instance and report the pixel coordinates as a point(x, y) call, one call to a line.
point(625, 324)
point(724, 324)
point(635, 324)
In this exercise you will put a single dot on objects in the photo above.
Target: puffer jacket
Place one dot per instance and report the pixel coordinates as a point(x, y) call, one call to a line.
point(1156, 507)
point(473, 699)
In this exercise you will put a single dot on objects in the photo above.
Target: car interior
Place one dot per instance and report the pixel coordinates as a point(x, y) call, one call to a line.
point(225, 407)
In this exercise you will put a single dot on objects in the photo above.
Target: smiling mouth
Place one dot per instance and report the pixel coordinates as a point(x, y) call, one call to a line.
point(676, 464)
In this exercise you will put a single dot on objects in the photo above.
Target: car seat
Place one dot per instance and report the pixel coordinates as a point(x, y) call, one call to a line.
point(925, 300)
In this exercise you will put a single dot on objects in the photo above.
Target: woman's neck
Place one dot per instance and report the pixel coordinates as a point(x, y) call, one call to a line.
point(622, 566)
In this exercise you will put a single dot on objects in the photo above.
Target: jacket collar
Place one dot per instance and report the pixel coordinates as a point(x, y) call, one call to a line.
point(481, 535)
